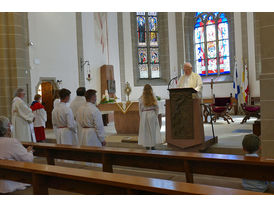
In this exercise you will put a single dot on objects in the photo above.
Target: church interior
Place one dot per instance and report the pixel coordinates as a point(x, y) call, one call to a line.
point(117, 54)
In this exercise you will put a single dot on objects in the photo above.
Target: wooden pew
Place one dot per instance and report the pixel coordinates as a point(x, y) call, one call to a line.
point(83, 181)
point(200, 163)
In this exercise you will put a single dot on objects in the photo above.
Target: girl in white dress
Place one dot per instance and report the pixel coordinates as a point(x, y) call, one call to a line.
point(149, 130)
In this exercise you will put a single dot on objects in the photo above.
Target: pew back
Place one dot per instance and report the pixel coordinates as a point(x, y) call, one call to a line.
point(188, 162)
point(82, 181)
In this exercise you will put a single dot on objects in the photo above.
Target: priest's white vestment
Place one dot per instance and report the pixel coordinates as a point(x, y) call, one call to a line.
point(22, 118)
point(90, 119)
point(192, 81)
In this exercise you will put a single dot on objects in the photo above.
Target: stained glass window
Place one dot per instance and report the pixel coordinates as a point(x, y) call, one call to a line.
point(148, 45)
point(211, 43)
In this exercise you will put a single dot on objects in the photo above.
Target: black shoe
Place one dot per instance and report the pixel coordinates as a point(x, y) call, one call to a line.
point(153, 148)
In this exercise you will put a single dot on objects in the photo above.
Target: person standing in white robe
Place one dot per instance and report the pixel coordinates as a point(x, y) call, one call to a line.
point(22, 118)
point(12, 149)
point(90, 119)
point(191, 80)
point(56, 98)
point(76, 103)
point(149, 129)
point(63, 121)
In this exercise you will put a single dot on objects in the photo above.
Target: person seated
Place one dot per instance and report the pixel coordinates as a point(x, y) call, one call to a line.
point(40, 118)
point(251, 145)
point(12, 149)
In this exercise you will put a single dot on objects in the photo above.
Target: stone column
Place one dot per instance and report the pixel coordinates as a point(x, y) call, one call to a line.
point(265, 29)
point(14, 58)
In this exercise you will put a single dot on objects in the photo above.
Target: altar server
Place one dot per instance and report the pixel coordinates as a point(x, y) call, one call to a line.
point(90, 119)
point(149, 130)
point(63, 121)
point(191, 79)
point(12, 149)
point(40, 119)
point(78, 101)
point(56, 98)
point(22, 118)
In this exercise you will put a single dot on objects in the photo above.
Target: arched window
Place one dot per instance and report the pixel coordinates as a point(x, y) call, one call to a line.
point(211, 44)
point(148, 45)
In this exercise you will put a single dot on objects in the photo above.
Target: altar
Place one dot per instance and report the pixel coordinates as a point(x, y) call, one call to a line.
point(126, 115)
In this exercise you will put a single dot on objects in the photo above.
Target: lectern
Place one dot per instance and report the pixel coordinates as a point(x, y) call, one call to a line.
point(184, 124)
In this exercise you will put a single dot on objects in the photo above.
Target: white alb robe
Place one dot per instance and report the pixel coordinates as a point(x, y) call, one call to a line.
point(40, 118)
point(22, 118)
point(90, 119)
point(149, 129)
point(76, 103)
point(12, 149)
point(56, 102)
point(192, 81)
point(64, 124)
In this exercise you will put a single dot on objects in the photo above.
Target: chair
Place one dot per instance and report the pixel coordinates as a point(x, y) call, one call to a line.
point(220, 108)
point(250, 111)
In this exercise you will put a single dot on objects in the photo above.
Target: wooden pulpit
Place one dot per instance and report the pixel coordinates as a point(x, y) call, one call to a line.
point(184, 123)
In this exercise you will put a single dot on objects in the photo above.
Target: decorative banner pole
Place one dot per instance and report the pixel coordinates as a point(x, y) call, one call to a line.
point(211, 86)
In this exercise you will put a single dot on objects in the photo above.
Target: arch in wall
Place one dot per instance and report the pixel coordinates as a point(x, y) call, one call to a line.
point(48, 86)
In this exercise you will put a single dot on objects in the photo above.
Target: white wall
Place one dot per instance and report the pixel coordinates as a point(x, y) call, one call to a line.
point(55, 46)
point(94, 54)
point(114, 49)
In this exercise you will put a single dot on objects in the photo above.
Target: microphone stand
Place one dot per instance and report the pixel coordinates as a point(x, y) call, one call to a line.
point(171, 81)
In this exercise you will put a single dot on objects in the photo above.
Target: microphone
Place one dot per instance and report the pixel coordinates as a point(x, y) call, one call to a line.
point(171, 81)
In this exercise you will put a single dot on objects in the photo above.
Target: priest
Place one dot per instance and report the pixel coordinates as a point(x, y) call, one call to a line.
point(63, 121)
point(22, 118)
point(90, 119)
point(191, 80)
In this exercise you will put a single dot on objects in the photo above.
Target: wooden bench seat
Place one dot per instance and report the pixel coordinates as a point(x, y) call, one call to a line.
point(201, 163)
point(83, 181)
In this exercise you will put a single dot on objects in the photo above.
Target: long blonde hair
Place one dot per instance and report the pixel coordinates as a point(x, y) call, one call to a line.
point(148, 97)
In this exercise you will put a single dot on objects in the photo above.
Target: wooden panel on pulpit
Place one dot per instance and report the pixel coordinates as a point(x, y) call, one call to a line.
point(181, 108)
